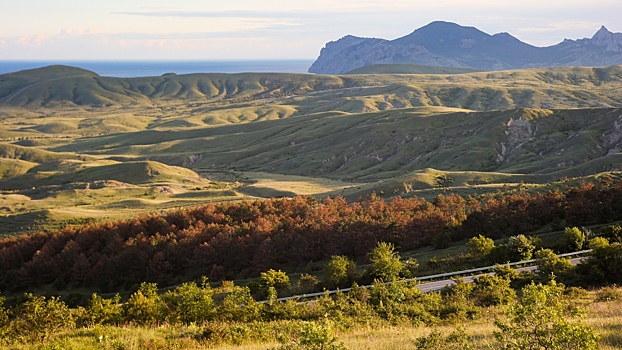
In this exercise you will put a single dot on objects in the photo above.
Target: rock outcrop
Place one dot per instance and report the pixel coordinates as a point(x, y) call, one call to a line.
point(451, 45)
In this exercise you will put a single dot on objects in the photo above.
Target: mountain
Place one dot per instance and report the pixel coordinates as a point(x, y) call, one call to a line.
point(451, 45)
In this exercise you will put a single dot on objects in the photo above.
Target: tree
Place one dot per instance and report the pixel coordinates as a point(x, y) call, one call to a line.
point(538, 321)
point(549, 264)
point(520, 247)
point(275, 279)
point(480, 246)
point(339, 271)
point(144, 306)
point(4, 320)
point(574, 238)
point(385, 262)
point(38, 318)
point(103, 311)
point(190, 303)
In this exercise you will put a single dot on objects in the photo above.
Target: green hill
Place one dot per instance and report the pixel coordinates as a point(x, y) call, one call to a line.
point(533, 88)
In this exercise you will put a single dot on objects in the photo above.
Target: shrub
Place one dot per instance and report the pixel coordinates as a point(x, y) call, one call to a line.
point(339, 271)
point(603, 266)
point(480, 246)
point(239, 306)
point(597, 242)
point(492, 290)
point(609, 293)
point(549, 264)
point(613, 233)
point(4, 321)
point(459, 339)
point(314, 336)
point(539, 321)
point(275, 279)
point(520, 247)
point(574, 238)
point(190, 303)
point(102, 311)
point(307, 283)
point(38, 318)
point(144, 306)
point(385, 263)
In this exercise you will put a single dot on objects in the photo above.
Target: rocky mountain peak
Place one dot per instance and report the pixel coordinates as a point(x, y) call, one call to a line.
point(604, 38)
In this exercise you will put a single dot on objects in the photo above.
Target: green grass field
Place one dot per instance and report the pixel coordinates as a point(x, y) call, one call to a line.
point(75, 146)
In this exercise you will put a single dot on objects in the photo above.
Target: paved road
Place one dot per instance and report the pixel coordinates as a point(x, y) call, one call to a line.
point(438, 285)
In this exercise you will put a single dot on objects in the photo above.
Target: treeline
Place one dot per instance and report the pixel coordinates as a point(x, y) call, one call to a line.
point(237, 240)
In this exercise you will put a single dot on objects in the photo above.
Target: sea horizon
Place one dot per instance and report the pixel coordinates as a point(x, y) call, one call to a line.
point(146, 68)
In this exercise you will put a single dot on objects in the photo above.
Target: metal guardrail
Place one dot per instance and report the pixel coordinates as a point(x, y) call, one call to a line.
point(423, 278)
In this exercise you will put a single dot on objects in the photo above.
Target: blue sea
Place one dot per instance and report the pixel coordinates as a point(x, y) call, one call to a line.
point(128, 69)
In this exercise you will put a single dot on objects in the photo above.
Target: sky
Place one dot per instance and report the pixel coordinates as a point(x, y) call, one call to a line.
point(268, 29)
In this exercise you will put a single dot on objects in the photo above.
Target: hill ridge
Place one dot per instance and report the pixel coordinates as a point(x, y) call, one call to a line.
point(451, 45)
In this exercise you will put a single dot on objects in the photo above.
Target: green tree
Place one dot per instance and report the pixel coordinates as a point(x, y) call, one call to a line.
point(385, 262)
point(275, 279)
point(520, 247)
point(539, 321)
point(575, 238)
point(190, 303)
point(613, 233)
point(549, 264)
point(144, 306)
point(307, 283)
point(339, 271)
point(4, 321)
point(38, 318)
point(103, 311)
point(492, 290)
point(240, 306)
point(597, 242)
point(480, 246)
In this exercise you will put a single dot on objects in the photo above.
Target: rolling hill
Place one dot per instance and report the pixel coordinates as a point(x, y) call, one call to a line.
point(75, 146)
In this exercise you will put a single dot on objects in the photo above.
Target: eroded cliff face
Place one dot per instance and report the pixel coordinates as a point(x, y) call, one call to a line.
point(350, 52)
point(450, 45)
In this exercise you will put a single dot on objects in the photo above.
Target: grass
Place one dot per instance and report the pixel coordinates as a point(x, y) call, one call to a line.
point(604, 317)
point(286, 134)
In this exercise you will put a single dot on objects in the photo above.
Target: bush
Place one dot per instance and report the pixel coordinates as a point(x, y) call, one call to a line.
point(492, 290)
point(144, 306)
point(574, 238)
point(609, 293)
point(613, 233)
point(340, 271)
point(457, 340)
point(384, 263)
point(190, 303)
point(520, 248)
point(550, 265)
point(38, 318)
point(307, 283)
point(4, 321)
point(239, 306)
point(539, 321)
point(102, 311)
point(480, 246)
point(603, 266)
point(274, 279)
point(597, 242)
point(313, 336)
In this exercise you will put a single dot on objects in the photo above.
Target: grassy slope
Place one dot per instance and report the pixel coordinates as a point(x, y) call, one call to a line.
point(280, 134)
